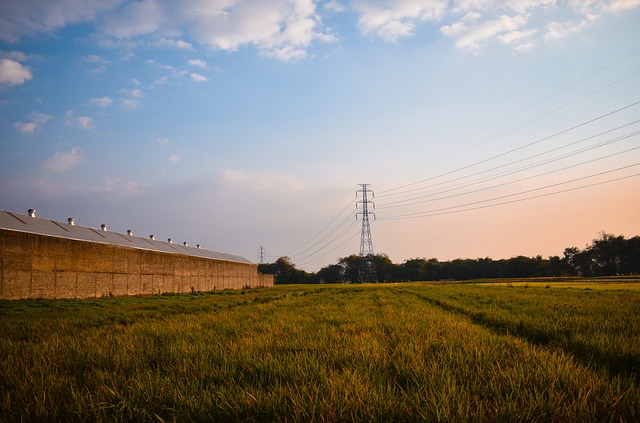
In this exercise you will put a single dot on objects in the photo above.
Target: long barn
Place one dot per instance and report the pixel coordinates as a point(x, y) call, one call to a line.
point(42, 258)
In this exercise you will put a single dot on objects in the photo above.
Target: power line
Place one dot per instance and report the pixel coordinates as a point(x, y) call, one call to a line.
point(530, 105)
point(413, 201)
point(581, 140)
point(336, 247)
point(451, 209)
point(324, 238)
point(564, 131)
point(294, 250)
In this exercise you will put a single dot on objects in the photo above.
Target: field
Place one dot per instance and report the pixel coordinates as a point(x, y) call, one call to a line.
point(385, 352)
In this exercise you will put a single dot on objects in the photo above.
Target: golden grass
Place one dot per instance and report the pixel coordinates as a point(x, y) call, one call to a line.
point(406, 352)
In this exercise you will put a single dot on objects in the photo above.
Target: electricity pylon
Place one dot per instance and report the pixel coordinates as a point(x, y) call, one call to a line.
point(367, 268)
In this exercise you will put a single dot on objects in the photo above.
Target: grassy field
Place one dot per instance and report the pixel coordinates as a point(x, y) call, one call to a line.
point(405, 352)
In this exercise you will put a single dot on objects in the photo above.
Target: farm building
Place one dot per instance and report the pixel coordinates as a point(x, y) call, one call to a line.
point(42, 258)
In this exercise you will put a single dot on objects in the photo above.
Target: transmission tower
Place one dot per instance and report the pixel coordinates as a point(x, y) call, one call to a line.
point(367, 267)
point(261, 255)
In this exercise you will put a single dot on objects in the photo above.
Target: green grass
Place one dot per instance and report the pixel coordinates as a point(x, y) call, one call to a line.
point(405, 352)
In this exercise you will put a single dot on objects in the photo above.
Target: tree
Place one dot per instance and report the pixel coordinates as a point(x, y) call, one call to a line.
point(285, 272)
point(332, 274)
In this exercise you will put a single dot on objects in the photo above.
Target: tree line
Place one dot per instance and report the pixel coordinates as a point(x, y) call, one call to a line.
point(608, 255)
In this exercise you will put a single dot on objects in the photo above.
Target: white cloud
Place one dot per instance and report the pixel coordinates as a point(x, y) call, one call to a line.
point(557, 30)
point(271, 26)
point(62, 162)
point(84, 122)
point(198, 63)
point(335, 6)
point(517, 37)
point(174, 158)
point(13, 73)
point(198, 78)
point(136, 18)
point(617, 6)
point(103, 102)
point(394, 19)
point(473, 35)
point(285, 29)
point(162, 141)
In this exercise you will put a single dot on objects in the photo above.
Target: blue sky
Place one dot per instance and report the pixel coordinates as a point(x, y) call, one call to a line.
point(485, 128)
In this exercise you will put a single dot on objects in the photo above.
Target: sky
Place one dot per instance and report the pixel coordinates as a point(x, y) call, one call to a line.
point(483, 128)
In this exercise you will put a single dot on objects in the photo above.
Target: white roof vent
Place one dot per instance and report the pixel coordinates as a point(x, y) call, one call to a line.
point(185, 244)
point(170, 241)
point(71, 221)
point(198, 246)
point(103, 227)
point(129, 232)
point(153, 237)
point(32, 212)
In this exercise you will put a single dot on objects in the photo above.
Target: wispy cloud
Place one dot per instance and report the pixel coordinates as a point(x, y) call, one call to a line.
point(334, 6)
point(558, 30)
point(26, 128)
point(130, 104)
point(36, 119)
point(395, 19)
point(83, 122)
point(102, 102)
point(162, 141)
point(198, 63)
point(174, 158)
point(473, 34)
point(136, 18)
point(64, 161)
point(30, 17)
point(198, 78)
point(132, 98)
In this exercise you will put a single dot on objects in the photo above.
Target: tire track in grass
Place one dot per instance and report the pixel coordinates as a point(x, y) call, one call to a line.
point(624, 364)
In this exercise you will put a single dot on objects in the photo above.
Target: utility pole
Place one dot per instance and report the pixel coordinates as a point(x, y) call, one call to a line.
point(367, 268)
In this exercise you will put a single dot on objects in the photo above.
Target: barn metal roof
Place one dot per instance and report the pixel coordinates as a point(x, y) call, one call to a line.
point(37, 225)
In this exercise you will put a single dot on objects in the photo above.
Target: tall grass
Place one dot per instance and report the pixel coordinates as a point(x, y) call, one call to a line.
point(341, 353)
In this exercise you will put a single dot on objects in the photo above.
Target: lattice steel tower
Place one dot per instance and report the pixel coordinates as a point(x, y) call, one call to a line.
point(367, 269)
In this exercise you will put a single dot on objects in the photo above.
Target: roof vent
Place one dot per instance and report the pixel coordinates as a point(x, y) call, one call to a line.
point(129, 232)
point(185, 244)
point(71, 221)
point(32, 212)
point(153, 237)
point(103, 227)
point(198, 246)
point(170, 241)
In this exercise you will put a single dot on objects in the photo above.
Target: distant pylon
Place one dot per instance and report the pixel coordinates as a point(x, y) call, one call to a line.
point(366, 244)
point(261, 255)
point(367, 268)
